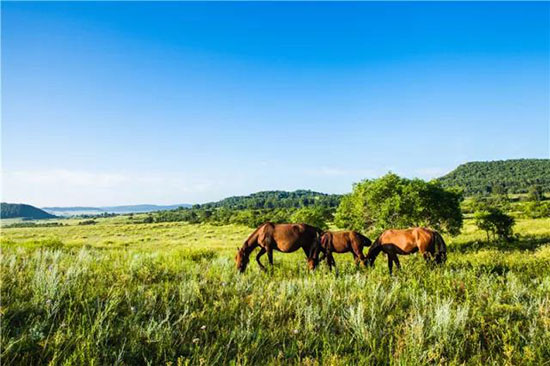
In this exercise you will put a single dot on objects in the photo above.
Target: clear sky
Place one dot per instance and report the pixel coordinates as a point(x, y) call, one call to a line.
point(121, 103)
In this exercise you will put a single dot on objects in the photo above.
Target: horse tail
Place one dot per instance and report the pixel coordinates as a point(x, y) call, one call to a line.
point(267, 239)
point(440, 248)
point(326, 241)
point(318, 245)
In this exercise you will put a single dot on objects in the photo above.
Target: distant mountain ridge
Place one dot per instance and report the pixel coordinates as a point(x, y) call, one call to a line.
point(481, 177)
point(20, 210)
point(511, 176)
point(276, 199)
point(84, 210)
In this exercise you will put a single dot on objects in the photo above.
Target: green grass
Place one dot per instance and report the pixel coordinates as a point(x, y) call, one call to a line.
point(121, 293)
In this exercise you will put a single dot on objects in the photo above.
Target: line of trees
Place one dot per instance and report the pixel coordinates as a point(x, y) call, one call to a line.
point(373, 206)
point(497, 177)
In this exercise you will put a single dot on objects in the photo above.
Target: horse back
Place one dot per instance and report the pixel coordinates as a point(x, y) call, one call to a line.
point(408, 240)
point(290, 237)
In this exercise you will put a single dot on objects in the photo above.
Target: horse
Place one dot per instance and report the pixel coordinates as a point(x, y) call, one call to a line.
point(344, 242)
point(403, 242)
point(285, 238)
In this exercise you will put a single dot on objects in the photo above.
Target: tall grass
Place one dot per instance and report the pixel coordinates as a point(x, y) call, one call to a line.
point(159, 294)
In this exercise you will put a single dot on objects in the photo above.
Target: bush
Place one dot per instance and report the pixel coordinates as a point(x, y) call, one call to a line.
point(536, 209)
point(395, 202)
point(495, 223)
point(314, 216)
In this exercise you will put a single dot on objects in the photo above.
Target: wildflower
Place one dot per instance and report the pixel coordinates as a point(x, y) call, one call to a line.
point(133, 309)
point(196, 340)
point(295, 331)
point(203, 327)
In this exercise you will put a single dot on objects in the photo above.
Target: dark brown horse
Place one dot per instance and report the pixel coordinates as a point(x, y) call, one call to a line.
point(344, 242)
point(286, 238)
point(393, 242)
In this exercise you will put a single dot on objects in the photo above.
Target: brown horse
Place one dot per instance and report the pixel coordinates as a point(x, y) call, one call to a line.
point(393, 242)
point(344, 242)
point(286, 238)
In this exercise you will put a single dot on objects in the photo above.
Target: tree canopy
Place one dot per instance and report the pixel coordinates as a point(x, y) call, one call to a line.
point(395, 202)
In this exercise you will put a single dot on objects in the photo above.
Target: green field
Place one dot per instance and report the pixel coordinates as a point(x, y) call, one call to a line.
point(117, 293)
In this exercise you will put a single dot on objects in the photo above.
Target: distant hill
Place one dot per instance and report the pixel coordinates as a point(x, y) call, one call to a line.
point(19, 210)
point(511, 176)
point(80, 210)
point(276, 199)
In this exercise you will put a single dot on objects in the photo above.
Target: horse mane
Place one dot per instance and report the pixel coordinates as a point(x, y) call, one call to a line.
point(255, 232)
point(366, 241)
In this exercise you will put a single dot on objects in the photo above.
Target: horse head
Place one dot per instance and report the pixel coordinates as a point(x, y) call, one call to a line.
point(241, 259)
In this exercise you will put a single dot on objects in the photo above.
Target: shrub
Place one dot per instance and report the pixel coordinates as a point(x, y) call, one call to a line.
point(495, 223)
point(315, 216)
point(536, 209)
point(395, 202)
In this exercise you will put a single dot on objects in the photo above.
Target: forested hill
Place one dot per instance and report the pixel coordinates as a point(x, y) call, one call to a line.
point(276, 199)
point(511, 176)
point(13, 210)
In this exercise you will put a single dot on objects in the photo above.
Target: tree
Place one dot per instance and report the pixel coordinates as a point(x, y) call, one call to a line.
point(395, 202)
point(535, 193)
point(348, 214)
point(495, 223)
point(314, 216)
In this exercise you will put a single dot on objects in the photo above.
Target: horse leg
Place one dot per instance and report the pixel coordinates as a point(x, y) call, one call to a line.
point(390, 263)
point(262, 252)
point(270, 257)
point(396, 260)
point(330, 260)
point(355, 259)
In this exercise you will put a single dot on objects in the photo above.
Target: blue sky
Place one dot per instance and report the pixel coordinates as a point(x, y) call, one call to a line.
point(120, 103)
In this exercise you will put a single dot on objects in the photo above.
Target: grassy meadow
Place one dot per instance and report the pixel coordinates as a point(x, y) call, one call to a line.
point(122, 293)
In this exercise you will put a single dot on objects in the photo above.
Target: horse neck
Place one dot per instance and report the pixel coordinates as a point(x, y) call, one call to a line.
point(248, 246)
point(374, 250)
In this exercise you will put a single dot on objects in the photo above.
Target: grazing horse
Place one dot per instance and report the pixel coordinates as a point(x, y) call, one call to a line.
point(393, 242)
point(344, 242)
point(286, 238)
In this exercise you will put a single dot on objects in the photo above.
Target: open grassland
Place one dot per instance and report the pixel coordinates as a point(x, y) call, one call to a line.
point(124, 294)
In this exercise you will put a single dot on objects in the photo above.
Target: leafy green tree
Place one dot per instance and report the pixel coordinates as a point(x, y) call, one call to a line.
point(395, 202)
point(315, 216)
point(495, 223)
point(349, 213)
point(535, 193)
